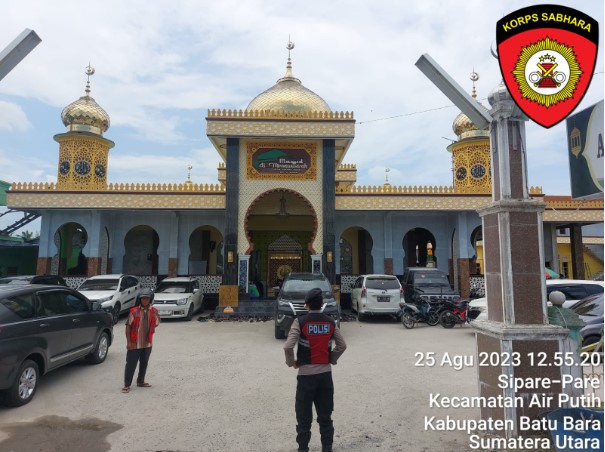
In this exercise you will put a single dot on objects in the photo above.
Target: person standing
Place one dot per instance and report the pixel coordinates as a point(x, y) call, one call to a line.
point(313, 335)
point(140, 328)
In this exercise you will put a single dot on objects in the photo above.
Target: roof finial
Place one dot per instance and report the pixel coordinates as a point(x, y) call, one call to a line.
point(474, 78)
point(386, 181)
point(188, 181)
point(89, 71)
point(290, 46)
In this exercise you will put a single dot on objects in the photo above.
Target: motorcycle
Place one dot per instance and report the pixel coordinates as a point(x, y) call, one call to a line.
point(411, 314)
point(455, 312)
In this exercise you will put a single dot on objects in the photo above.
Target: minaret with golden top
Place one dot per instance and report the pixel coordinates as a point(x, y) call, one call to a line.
point(470, 154)
point(83, 152)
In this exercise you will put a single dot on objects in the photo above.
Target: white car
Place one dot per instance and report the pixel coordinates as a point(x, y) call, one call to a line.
point(376, 294)
point(116, 293)
point(178, 297)
point(573, 289)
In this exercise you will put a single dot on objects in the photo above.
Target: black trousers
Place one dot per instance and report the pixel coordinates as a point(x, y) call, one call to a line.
point(315, 390)
point(140, 356)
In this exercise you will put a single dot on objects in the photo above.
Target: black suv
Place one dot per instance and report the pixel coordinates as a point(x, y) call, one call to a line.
point(290, 301)
point(43, 328)
point(430, 284)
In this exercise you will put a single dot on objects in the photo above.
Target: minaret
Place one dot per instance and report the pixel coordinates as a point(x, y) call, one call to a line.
point(83, 152)
point(470, 154)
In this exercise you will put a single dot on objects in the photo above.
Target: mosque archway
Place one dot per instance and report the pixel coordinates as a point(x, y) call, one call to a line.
point(356, 245)
point(419, 247)
point(477, 261)
point(70, 240)
point(205, 251)
point(280, 226)
point(141, 251)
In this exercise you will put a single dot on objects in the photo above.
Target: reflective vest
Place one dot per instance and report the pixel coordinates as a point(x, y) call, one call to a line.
point(314, 343)
point(136, 323)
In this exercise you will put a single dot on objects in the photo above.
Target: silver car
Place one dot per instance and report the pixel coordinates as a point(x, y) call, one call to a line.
point(376, 294)
point(178, 297)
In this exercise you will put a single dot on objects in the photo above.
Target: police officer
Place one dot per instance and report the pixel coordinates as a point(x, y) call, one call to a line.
point(314, 333)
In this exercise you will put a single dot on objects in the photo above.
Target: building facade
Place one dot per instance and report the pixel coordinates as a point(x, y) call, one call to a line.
point(285, 200)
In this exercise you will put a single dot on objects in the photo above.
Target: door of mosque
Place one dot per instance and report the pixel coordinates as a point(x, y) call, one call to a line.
point(280, 264)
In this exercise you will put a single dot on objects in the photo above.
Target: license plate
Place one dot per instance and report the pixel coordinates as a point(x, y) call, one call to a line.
point(165, 312)
point(383, 299)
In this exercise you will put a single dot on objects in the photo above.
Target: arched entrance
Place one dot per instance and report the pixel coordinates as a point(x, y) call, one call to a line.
point(205, 251)
point(141, 251)
point(280, 226)
point(356, 252)
point(419, 247)
point(477, 262)
point(70, 240)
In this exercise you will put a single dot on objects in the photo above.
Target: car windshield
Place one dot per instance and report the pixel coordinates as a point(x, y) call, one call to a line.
point(173, 287)
point(100, 284)
point(591, 306)
point(382, 283)
point(304, 285)
point(431, 279)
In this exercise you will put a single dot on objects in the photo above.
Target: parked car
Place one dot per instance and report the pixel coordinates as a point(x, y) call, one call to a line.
point(178, 297)
point(290, 301)
point(430, 284)
point(376, 294)
point(53, 280)
point(574, 289)
point(43, 328)
point(590, 310)
point(116, 293)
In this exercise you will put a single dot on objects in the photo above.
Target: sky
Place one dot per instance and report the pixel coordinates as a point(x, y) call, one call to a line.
point(160, 65)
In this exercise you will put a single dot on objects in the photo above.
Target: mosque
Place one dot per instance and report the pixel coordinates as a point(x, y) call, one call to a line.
point(285, 200)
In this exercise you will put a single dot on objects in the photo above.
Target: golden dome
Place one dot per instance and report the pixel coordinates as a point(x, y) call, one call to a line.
point(289, 95)
point(463, 124)
point(84, 114)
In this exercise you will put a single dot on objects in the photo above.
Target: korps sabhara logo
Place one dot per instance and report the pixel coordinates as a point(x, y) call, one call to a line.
point(547, 56)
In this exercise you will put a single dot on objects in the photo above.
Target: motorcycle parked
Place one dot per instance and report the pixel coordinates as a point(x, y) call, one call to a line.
point(411, 314)
point(455, 312)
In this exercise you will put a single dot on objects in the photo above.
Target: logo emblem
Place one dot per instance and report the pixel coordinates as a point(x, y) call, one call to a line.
point(547, 55)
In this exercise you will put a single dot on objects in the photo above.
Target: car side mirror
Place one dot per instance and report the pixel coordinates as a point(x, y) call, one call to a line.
point(195, 290)
point(96, 306)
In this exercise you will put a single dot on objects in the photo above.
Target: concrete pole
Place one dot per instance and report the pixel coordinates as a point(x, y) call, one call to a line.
point(517, 325)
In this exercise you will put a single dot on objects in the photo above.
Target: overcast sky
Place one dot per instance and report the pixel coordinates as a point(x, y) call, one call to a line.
point(160, 65)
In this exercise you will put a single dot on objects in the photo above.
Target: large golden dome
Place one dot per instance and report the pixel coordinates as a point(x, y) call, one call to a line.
point(84, 114)
point(288, 95)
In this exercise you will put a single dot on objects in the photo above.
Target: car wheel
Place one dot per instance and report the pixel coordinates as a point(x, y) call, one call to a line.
point(407, 319)
point(448, 319)
point(116, 313)
point(25, 385)
point(279, 333)
point(189, 313)
point(100, 352)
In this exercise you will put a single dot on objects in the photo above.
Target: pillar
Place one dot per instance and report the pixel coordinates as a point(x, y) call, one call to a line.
point(230, 274)
point(577, 251)
point(329, 207)
point(517, 324)
point(243, 266)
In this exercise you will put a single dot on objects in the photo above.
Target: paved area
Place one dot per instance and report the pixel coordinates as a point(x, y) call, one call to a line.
point(223, 386)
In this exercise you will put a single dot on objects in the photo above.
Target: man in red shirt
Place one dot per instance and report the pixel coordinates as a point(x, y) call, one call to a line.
point(140, 328)
point(313, 335)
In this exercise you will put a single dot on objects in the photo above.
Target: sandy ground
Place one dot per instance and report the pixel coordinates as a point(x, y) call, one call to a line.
point(224, 386)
